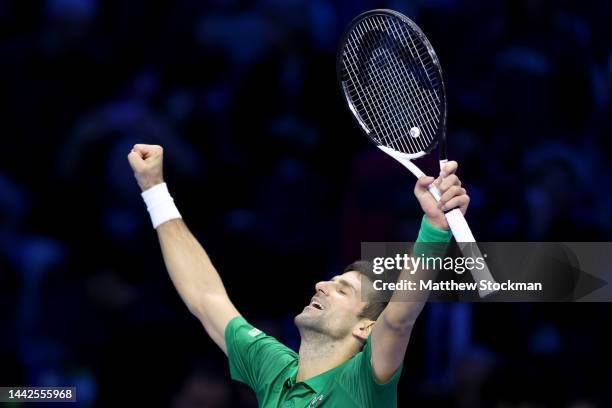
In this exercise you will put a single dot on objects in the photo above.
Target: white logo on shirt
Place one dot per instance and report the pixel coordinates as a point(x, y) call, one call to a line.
point(315, 401)
point(254, 332)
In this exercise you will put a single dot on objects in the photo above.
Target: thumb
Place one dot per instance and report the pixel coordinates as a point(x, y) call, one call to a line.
point(423, 183)
point(135, 160)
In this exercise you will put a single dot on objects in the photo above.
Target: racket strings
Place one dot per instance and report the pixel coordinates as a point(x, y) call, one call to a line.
point(429, 81)
point(400, 89)
point(421, 108)
point(391, 80)
point(368, 105)
point(398, 101)
point(389, 134)
point(393, 109)
point(424, 79)
point(371, 100)
point(401, 93)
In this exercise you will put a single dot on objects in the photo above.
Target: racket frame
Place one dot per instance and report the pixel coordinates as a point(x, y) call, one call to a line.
point(455, 219)
point(440, 137)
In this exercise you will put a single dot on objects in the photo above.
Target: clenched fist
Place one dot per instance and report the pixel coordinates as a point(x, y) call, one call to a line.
point(453, 195)
point(147, 163)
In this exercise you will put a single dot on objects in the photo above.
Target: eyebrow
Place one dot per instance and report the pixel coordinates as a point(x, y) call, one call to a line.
point(344, 282)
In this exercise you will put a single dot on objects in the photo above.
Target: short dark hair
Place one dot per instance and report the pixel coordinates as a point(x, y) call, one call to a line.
point(373, 309)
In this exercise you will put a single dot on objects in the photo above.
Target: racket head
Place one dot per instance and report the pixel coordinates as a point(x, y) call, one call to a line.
point(392, 82)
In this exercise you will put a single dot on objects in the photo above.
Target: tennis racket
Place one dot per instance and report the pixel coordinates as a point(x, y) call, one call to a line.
point(392, 82)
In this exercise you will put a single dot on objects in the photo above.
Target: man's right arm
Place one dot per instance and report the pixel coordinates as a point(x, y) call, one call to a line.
point(190, 268)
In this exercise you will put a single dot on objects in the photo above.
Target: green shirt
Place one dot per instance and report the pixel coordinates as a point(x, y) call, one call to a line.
point(270, 368)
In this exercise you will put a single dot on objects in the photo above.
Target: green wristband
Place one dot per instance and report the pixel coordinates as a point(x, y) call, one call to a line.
point(429, 233)
point(431, 241)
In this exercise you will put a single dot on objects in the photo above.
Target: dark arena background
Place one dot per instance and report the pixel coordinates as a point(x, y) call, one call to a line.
point(273, 176)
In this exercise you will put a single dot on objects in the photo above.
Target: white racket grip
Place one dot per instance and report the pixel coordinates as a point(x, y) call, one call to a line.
point(456, 221)
point(459, 226)
point(463, 236)
point(466, 242)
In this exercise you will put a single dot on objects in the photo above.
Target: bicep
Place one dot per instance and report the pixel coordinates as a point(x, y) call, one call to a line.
point(215, 312)
point(389, 343)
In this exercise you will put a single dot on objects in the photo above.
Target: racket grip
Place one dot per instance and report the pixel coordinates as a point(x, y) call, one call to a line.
point(456, 221)
point(469, 248)
point(459, 226)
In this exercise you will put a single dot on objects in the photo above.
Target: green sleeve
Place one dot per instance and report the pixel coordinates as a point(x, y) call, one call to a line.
point(359, 381)
point(254, 357)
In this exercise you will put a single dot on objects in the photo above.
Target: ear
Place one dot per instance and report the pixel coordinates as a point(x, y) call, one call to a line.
point(363, 329)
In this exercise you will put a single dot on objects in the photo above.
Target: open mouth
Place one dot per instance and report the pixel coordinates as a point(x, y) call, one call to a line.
point(316, 305)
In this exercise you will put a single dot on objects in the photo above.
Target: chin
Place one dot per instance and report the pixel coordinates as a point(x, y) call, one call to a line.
point(300, 319)
point(306, 321)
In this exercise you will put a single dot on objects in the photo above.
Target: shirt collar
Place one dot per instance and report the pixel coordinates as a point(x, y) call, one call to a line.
point(316, 383)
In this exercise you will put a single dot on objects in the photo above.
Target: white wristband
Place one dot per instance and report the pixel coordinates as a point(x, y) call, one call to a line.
point(160, 204)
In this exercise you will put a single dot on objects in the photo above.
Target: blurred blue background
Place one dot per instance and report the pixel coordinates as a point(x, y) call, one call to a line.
point(277, 182)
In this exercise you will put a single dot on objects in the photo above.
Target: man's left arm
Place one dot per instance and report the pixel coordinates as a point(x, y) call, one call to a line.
point(393, 327)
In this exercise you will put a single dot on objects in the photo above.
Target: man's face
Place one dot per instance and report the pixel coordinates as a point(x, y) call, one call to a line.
point(335, 307)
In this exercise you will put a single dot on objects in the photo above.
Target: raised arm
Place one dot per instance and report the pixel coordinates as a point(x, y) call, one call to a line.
point(190, 268)
point(393, 327)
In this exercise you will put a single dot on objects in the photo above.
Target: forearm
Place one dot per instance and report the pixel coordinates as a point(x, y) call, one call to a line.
point(391, 333)
point(399, 313)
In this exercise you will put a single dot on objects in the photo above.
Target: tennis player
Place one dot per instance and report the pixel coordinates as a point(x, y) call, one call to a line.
point(351, 352)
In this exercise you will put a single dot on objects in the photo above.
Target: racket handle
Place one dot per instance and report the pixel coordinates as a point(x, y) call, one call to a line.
point(469, 248)
point(466, 242)
point(456, 221)
point(459, 226)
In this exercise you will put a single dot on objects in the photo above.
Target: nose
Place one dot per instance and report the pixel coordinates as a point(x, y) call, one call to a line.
point(322, 286)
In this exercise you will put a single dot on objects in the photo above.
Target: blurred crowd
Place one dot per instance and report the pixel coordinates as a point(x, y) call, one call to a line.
point(278, 183)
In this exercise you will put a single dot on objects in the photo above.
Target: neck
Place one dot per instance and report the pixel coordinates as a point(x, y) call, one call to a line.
point(319, 353)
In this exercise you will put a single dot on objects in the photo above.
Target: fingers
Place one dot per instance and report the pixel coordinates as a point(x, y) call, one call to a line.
point(443, 184)
point(423, 183)
point(448, 177)
point(145, 158)
point(147, 151)
point(449, 185)
point(448, 182)
point(449, 168)
point(452, 194)
point(448, 195)
point(135, 160)
point(461, 201)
